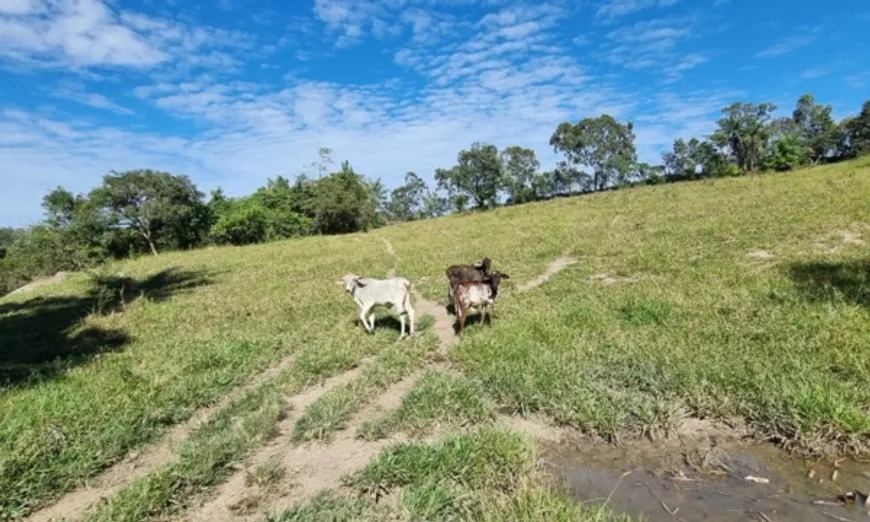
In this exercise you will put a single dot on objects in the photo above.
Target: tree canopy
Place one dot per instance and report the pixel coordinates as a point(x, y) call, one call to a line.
point(601, 144)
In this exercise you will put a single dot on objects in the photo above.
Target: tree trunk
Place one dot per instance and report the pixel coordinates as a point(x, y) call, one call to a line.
point(147, 235)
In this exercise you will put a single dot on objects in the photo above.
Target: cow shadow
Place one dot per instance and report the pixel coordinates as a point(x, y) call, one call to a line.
point(473, 319)
point(819, 281)
point(45, 336)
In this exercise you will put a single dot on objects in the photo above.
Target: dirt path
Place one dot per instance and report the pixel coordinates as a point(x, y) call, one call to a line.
point(147, 459)
point(309, 467)
point(232, 495)
point(554, 268)
point(390, 250)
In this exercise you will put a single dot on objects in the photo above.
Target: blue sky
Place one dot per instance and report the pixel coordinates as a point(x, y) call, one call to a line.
point(232, 92)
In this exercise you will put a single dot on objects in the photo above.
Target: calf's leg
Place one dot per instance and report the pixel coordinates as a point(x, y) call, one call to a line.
point(362, 317)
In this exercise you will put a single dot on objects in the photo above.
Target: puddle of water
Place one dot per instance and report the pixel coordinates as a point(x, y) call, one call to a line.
point(668, 482)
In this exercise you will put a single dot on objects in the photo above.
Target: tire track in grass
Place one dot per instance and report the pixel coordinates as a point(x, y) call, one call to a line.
point(309, 467)
point(140, 463)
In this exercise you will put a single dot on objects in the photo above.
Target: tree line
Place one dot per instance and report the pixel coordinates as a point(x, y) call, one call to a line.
point(145, 211)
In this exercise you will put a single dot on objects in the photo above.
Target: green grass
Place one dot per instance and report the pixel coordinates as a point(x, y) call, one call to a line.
point(204, 460)
point(487, 475)
point(331, 411)
point(265, 475)
point(436, 398)
point(706, 328)
point(203, 327)
point(209, 455)
point(331, 507)
point(96, 367)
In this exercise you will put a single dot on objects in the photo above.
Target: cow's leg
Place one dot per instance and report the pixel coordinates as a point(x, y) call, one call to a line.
point(362, 317)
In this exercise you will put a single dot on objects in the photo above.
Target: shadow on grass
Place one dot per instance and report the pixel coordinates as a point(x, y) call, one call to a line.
point(840, 282)
point(41, 337)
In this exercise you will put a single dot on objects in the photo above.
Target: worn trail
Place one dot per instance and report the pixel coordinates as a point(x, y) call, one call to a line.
point(554, 268)
point(231, 496)
point(149, 458)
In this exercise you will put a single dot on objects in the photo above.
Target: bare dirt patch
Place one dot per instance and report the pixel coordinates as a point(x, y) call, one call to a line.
point(761, 254)
point(833, 242)
point(537, 428)
point(850, 238)
point(309, 467)
point(33, 285)
point(443, 328)
point(609, 279)
point(142, 462)
point(554, 268)
point(233, 500)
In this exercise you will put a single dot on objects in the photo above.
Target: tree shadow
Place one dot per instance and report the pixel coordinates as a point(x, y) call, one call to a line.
point(44, 336)
point(839, 282)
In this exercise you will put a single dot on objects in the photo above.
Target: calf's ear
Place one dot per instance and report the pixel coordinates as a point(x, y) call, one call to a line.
point(358, 282)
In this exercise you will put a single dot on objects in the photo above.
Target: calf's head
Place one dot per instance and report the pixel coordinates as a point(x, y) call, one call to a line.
point(350, 282)
point(493, 280)
point(483, 265)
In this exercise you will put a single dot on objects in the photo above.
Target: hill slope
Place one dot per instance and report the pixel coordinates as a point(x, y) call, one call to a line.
point(741, 299)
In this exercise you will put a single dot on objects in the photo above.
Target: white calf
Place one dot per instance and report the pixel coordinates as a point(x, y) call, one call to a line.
point(368, 292)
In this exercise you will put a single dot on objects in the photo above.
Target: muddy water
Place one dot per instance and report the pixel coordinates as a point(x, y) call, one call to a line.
point(686, 483)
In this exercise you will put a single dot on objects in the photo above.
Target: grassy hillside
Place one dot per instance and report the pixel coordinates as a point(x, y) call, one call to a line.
point(745, 299)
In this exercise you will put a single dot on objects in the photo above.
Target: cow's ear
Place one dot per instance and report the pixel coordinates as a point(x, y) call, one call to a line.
point(359, 282)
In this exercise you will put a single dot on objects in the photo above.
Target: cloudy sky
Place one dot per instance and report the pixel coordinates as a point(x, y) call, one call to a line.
point(232, 92)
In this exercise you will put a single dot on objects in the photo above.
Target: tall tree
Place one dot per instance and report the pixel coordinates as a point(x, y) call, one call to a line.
point(409, 201)
point(60, 206)
point(856, 136)
point(745, 130)
point(379, 195)
point(477, 177)
point(520, 167)
point(714, 163)
point(682, 162)
point(322, 164)
point(150, 202)
point(602, 144)
point(817, 128)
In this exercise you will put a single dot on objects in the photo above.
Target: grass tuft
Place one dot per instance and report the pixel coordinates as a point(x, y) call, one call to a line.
point(437, 398)
point(330, 412)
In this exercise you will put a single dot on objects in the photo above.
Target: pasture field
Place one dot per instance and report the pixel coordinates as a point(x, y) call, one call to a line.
point(235, 384)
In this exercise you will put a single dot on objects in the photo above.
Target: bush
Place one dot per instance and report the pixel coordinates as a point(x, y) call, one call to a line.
point(284, 224)
point(242, 225)
point(786, 153)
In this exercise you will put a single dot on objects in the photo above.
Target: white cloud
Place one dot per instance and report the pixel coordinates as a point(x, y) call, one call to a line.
point(794, 42)
point(609, 10)
point(77, 93)
point(81, 32)
point(816, 72)
point(650, 44)
point(19, 7)
point(89, 33)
